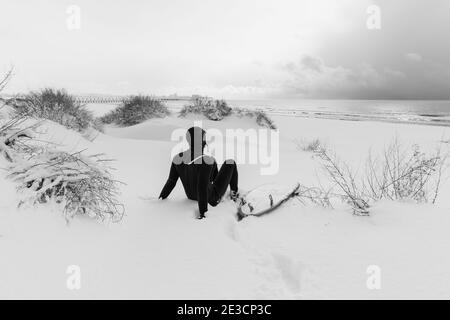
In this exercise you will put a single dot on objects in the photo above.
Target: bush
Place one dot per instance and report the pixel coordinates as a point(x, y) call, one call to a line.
point(314, 145)
point(212, 109)
point(55, 105)
point(5, 80)
point(404, 174)
point(134, 110)
point(262, 119)
point(400, 174)
point(13, 130)
point(344, 178)
point(13, 135)
point(217, 110)
point(83, 184)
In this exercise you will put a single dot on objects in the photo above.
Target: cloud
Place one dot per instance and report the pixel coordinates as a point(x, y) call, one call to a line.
point(310, 63)
point(414, 57)
point(232, 48)
point(311, 77)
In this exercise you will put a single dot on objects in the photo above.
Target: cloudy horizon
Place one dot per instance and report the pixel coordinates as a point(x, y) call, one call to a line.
point(230, 49)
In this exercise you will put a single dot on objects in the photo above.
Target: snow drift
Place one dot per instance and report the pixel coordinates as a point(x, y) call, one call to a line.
point(158, 250)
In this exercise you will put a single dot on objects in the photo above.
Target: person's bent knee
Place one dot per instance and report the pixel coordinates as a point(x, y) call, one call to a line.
point(230, 162)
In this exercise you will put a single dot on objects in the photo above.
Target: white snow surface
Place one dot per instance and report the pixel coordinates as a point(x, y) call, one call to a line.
point(160, 251)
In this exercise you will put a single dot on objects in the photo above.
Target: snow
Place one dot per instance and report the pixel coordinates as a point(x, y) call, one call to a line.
point(160, 251)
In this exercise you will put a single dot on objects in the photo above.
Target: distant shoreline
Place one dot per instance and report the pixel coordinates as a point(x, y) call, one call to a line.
point(429, 119)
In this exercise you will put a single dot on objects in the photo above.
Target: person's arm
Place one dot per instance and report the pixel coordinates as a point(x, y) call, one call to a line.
point(202, 187)
point(171, 182)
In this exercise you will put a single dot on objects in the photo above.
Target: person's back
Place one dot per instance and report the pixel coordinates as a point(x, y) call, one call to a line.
point(194, 174)
point(199, 175)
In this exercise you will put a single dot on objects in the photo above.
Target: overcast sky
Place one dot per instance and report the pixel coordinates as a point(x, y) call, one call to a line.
point(230, 48)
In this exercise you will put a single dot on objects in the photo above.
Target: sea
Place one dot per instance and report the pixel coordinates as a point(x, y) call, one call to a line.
point(429, 112)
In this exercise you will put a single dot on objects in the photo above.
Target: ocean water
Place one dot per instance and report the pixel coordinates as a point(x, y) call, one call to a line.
point(430, 112)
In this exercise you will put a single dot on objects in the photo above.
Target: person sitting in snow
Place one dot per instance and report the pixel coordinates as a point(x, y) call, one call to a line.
point(199, 175)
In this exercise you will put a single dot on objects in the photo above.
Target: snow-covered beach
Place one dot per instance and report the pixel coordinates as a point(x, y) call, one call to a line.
point(225, 158)
point(159, 250)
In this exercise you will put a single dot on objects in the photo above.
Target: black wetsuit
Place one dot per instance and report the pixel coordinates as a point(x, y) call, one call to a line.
point(201, 179)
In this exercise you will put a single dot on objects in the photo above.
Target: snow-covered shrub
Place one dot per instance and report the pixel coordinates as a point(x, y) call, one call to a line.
point(81, 183)
point(314, 145)
point(217, 110)
point(55, 105)
point(403, 173)
point(342, 176)
point(399, 174)
point(262, 119)
point(134, 110)
point(313, 195)
point(5, 80)
point(212, 109)
point(13, 134)
point(98, 125)
point(14, 131)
